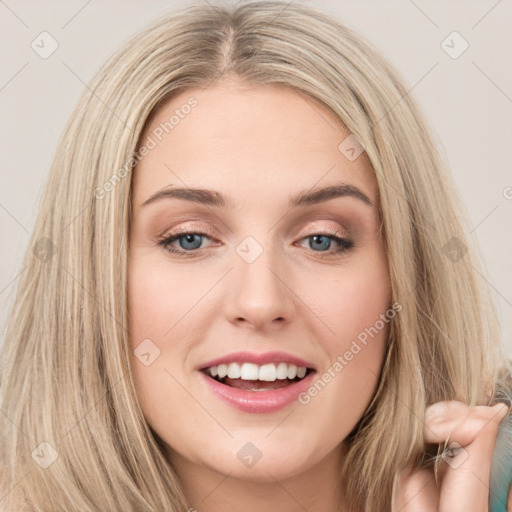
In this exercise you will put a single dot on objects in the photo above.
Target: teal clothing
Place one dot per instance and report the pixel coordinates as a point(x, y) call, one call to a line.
point(501, 469)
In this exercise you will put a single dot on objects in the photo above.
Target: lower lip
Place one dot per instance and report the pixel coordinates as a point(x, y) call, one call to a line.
point(259, 401)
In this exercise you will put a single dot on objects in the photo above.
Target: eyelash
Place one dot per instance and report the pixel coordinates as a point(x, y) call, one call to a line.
point(344, 244)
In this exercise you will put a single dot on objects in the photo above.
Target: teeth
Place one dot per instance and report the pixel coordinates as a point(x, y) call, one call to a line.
point(268, 372)
point(250, 371)
point(234, 371)
point(222, 370)
point(292, 371)
point(282, 371)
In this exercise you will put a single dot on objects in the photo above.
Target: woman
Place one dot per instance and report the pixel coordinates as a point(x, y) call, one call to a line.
point(250, 289)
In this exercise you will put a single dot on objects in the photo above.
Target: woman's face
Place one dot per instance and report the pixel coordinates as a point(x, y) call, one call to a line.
point(257, 278)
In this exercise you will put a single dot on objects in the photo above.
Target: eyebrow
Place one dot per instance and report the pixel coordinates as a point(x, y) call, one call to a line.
point(304, 198)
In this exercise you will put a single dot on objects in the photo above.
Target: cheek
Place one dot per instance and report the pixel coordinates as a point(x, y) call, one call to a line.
point(163, 302)
point(352, 301)
point(356, 307)
point(151, 315)
point(159, 296)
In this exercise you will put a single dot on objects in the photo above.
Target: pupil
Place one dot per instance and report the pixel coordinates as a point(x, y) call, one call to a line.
point(189, 239)
point(327, 240)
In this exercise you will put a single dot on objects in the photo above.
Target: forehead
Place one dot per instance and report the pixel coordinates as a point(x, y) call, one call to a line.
point(263, 138)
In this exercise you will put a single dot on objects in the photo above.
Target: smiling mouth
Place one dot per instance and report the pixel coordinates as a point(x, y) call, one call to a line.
point(251, 377)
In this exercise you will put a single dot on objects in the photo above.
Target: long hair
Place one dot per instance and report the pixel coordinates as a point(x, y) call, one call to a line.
point(73, 435)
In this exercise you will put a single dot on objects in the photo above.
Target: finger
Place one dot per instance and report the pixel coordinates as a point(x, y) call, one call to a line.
point(466, 475)
point(443, 418)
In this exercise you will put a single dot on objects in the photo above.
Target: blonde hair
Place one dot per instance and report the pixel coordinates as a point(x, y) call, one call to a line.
point(66, 365)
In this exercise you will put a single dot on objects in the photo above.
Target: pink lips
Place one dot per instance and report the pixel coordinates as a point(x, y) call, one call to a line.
point(259, 359)
point(258, 401)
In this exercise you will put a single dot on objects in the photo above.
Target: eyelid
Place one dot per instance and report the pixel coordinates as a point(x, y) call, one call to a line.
point(315, 229)
point(334, 227)
point(185, 228)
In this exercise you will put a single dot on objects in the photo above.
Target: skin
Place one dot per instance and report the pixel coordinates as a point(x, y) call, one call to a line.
point(257, 147)
point(464, 479)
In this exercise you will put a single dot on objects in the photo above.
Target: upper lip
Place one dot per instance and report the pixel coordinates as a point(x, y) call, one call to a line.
point(259, 359)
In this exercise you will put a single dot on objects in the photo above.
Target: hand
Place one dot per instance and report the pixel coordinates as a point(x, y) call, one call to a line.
point(464, 475)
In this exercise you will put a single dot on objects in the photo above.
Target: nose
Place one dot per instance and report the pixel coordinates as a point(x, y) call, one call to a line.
point(260, 295)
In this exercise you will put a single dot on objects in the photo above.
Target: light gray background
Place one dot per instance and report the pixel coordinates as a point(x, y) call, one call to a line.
point(468, 102)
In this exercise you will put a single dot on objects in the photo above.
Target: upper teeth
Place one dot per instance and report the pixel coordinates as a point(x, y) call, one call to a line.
point(250, 371)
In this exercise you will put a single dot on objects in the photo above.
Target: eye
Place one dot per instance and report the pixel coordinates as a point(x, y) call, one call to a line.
point(190, 242)
point(323, 242)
